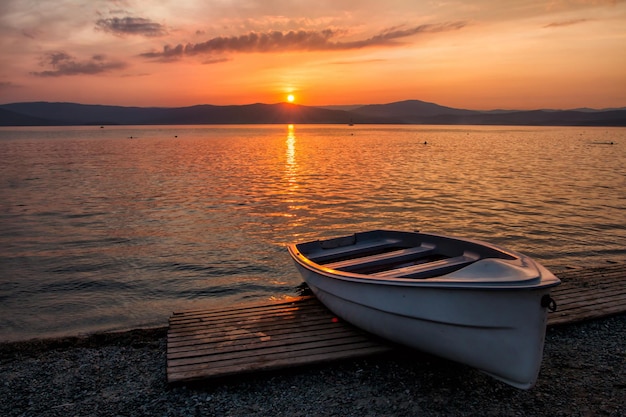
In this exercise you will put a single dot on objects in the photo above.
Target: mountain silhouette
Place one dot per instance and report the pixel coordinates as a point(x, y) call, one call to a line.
point(402, 112)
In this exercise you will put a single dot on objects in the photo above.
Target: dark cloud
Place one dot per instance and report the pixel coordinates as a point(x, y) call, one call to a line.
point(65, 64)
point(276, 41)
point(131, 26)
point(358, 62)
point(32, 34)
point(389, 36)
point(215, 60)
point(5, 85)
point(566, 23)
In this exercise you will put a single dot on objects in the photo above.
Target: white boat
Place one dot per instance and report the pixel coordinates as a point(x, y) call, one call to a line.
point(465, 300)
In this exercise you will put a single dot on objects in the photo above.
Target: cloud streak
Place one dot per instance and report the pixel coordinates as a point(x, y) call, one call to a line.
point(64, 64)
point(4, 85)
point(131, 26)
point(302, 40)
point(566, 23)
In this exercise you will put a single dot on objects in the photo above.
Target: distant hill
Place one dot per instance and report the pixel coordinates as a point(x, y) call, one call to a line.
point(81, 114)
point(11, 118)
point(411, 111)
point(420, 112)
point(536, 118)
point(402, 112)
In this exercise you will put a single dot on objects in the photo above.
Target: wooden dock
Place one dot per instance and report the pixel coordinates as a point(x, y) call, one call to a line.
point(204, 344)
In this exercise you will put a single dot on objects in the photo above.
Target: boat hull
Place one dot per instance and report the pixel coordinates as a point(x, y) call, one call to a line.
point(499, 330)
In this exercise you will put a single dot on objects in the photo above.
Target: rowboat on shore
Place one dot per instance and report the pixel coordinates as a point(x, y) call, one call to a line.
point(464, 300)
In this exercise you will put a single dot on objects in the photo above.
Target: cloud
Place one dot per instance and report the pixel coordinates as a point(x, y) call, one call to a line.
point(65, 64)
point(387, 37)
point(302, 40)
point(131, 26)
point(566, 23)
point(5, 85)
point(216, 60)
point(358, 62)
point(30, 33)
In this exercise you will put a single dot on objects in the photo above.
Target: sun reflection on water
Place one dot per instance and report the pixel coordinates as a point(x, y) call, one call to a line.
point(292, 184)
point(291, 165)
point(291, 148)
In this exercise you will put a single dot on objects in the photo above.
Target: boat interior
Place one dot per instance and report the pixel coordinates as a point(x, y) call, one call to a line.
point(410, 255)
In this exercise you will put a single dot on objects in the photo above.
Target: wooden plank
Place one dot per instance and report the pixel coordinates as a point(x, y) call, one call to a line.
point(270, 323)
point(329, 254)
point(585, 313)
point(275, 362)
point(245, 336)
point(589, 293)
point(587, 274)
point(588, 299)
point(396, 256)
point(198, 315)
point(223, 365)
point(581, 301)
point(216, 343)
point(427, 270)
point(212, 347)
point(285, 312)
point(254, 351)
point(577, 285)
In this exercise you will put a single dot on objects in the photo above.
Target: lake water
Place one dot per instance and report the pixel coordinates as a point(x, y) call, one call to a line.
point(116, 227)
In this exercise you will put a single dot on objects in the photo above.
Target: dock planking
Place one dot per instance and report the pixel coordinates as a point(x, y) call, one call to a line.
point(589, 293)
point(219, 343)
point(203, 344)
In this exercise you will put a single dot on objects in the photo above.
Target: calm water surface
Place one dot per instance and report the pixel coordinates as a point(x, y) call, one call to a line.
point(99, 231)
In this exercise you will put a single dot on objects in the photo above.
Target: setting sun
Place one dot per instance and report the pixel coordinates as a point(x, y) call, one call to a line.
point(290, 98)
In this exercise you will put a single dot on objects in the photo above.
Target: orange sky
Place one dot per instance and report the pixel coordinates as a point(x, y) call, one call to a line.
point(482, 54)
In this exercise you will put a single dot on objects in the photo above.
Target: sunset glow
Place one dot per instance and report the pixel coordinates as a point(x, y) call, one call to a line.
point(484, 54)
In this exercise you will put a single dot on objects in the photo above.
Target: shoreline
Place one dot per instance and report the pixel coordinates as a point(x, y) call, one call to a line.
point(124, 373)
point(296, 290)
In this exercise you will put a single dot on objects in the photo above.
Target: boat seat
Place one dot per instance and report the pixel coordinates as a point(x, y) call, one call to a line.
point(430, 269)
point(387, 258)
point(324, 255)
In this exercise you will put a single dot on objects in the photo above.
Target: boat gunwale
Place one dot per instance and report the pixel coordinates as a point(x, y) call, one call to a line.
point(441, 281)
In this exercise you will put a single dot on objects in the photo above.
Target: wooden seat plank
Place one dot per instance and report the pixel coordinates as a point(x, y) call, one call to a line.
point(330, 254)
point(396, 256)
point(429, 269)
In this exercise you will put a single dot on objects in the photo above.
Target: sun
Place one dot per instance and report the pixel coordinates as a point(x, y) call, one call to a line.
point(291, 98)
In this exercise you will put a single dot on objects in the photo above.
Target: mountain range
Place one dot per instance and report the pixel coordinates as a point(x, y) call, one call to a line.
point(402, 112)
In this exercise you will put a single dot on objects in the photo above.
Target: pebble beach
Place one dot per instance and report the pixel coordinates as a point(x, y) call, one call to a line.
point(124, 374)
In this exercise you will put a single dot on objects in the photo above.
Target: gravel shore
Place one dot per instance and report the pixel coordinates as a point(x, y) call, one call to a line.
point(583, 374)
